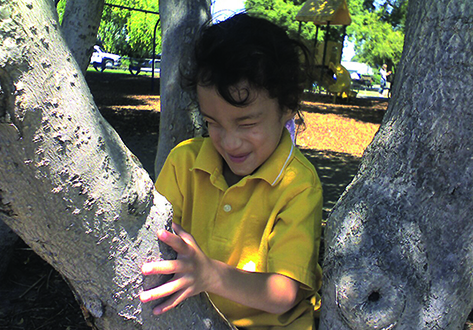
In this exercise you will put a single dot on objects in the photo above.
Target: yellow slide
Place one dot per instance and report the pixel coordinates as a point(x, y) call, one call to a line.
point(342, 85)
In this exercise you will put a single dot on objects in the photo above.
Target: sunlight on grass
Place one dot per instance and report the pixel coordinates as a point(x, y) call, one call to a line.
point(336, 133)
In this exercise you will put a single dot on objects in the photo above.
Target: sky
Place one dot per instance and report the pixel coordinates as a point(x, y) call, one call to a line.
point(222, 9)
point(348, 51)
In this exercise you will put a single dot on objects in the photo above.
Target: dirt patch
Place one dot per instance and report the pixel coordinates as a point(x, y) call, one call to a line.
point(33, 295)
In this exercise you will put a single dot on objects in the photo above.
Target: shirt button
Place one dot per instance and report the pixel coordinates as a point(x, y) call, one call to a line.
point(227, 208)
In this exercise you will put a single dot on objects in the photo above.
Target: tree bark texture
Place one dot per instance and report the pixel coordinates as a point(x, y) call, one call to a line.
point(180, 119)
point(80, 24)
point(399, 243)
point(68, 185)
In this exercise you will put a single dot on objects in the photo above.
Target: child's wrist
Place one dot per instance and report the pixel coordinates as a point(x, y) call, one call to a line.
point(215, 276)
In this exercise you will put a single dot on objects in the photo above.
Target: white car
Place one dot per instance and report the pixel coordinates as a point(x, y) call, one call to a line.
point(101, 59)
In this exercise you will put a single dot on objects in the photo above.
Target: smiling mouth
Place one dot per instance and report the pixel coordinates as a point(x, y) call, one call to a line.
point(238, 159)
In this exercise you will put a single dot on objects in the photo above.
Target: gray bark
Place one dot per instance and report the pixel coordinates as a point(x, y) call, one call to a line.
point(70, 188)
point(80, 24)
point(180, 120)
point(399, 242)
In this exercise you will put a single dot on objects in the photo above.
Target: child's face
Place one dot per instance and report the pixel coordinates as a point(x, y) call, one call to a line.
point(244, 136)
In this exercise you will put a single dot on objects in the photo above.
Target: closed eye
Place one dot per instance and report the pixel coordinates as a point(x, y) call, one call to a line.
point(210, 122)
point(248, 125)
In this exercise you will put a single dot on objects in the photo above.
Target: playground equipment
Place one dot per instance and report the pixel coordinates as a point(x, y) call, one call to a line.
point(327, 71)
point(342, 84)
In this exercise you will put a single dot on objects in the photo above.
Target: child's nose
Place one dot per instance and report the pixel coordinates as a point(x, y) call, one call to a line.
point(231, 141)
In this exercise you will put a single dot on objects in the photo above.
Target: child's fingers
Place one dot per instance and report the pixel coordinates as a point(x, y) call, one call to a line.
point(164, 267)
point(188, 238)
point(174, 241)
point(177, 228)
point(164, 290)
point(172, 302)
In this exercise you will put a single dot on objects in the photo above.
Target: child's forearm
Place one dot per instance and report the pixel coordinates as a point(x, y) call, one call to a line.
point(272, 293)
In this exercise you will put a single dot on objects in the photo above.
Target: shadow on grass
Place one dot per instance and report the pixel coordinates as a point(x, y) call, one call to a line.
point(111, 89)
point(336, 170)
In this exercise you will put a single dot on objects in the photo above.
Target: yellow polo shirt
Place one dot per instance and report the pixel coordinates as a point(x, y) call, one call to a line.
point(270, 221)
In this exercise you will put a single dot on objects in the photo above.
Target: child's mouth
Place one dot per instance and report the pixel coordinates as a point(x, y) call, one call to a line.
point(239, 158)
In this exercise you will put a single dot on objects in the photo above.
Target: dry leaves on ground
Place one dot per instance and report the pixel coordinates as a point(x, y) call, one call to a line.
point(336, 133)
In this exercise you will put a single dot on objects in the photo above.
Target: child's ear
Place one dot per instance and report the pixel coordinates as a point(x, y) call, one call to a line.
point(288, 114)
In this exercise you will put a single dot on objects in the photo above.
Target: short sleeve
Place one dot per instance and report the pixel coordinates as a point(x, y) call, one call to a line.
point(295, 239)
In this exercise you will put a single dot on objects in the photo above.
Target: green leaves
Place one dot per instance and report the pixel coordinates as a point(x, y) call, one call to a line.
point(377, 31)
point(283, 13)
point(128, 32)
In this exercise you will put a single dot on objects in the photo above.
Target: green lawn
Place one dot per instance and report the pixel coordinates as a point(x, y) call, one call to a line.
point(122, 71)
point(371, 93)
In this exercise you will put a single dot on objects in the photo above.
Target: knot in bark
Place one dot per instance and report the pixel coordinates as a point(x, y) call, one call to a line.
point(368, 299)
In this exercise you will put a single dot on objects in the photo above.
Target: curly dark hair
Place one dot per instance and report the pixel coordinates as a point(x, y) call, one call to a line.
point(252, 50)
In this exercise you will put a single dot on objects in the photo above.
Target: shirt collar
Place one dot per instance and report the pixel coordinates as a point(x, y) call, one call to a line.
point(273, 168)
point(210, 161)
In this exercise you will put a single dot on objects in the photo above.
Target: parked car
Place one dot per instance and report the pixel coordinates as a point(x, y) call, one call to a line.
point(101, 59)
point(145, 65)
point(361, 81)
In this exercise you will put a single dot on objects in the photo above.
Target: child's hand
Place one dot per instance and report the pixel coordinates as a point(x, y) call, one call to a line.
point(192, 271)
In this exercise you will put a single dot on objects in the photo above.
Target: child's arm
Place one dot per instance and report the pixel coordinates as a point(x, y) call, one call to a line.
point(194, 273)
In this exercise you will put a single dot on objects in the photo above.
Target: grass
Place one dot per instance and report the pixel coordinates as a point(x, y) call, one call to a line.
point(371, 93)
point(122, 71)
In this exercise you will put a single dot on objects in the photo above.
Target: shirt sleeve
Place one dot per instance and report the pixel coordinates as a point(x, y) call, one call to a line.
point(167, 185)
point(295, 239)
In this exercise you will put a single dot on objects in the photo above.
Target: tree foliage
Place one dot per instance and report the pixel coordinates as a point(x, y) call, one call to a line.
point(60, 6)
point(377, 30)
point(283, 13)
point(127, 32)
point(377, 27)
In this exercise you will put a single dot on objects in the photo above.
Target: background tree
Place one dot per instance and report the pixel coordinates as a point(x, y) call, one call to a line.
point(80, 23)
point(180, 118)
point(377, 30)
point(140, 27)
point(283, 13)
point(128, 32)
point(113, 33)
point(398, 243)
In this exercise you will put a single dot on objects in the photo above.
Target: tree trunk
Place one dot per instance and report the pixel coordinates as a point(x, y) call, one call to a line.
point(180, 119)
point(399, 242)
point(68, 185)
point(80, 24)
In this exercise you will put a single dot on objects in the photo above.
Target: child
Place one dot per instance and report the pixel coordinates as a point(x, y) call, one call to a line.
point(247, 204)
